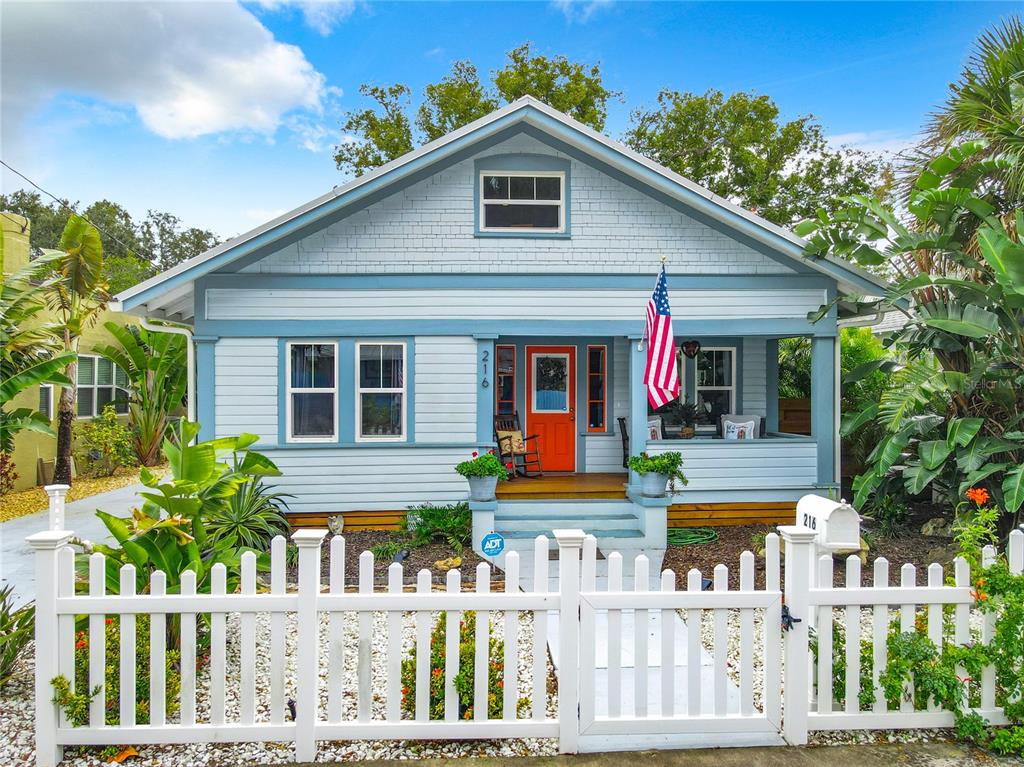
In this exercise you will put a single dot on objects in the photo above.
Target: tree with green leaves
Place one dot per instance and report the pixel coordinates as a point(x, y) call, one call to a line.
point(77, 293)
point(953, 412)
point(740, 149)
point(380, 133)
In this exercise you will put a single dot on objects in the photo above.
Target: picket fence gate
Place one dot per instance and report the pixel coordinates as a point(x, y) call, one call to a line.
point(795, 700)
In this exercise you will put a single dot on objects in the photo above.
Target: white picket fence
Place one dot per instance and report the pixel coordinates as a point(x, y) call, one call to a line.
point(677, 701)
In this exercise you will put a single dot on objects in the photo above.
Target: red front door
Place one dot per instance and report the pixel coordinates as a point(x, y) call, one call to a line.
point(551, 404)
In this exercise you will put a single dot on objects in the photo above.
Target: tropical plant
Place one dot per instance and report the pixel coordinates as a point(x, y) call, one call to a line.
point(452, 523)
point(486, 465)
point(251, 518)
point(157, 376)
point(952, 410)
point(16, 631)
point(77, 294)
point(890, 515)
point(169, 531)
point(29, 351)
point(669, 464)
point(104, 445)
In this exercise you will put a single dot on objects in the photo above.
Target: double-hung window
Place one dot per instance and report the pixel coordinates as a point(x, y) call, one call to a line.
point(100, 383)
point(312, 391)
point(380, 392)
point(518, 202)
point(716, 383)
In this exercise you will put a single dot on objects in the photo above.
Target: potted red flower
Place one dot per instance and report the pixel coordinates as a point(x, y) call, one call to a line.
point(483, 473)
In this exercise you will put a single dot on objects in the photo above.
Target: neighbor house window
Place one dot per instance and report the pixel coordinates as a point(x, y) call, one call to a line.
point(380, 405)
point(100, 383)
point(46, 400)
point(597, 388)
point(505, 381)
point(516, 202)
point(716, 384)
point(312, 391)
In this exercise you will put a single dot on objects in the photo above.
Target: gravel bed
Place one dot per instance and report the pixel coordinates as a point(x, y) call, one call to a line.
point(17, 708)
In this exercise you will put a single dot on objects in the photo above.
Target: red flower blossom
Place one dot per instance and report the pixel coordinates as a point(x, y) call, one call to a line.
point(979, 495)
point(508, 466)
point(109, 621)
point(475, 454)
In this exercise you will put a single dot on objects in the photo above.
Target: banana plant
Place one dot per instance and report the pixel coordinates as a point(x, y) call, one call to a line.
point(953, 411)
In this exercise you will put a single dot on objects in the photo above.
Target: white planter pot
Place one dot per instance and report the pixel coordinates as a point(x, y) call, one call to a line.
point(653, 485)
point(482, 488)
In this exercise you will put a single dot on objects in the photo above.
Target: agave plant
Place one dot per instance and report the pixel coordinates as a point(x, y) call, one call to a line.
point(157, 376)
point(251, 518)
point(953, 409)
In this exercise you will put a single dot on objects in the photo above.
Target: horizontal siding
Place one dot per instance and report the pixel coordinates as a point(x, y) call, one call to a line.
point(744, 465)
point(500, 304)
point(334, 480)
point(755, 380)
point(445, 389)
point(604, 453)
point(246, 387)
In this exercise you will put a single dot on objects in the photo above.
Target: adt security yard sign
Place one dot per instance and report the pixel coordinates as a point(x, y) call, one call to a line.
point(492, 544)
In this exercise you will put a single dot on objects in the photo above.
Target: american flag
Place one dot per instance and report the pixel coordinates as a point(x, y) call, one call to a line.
point(661, 377)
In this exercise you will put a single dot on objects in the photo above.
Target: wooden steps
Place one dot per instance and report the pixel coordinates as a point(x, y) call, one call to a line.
point(607, 486)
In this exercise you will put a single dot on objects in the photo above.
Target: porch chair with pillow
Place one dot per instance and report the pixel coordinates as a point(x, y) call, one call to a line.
point(513, 448)
point(736, 426)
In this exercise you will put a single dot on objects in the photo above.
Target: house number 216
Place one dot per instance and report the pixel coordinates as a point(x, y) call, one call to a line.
point(484, 383)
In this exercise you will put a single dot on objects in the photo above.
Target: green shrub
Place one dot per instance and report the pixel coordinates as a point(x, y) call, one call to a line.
point(16, 629)
point(891, 516)
point(76, 704)
point(104, 445)
point(670, 464)
point(386, 550)
point(251, 518)
point(452, 523)
point(465, 679)
point(486, 465)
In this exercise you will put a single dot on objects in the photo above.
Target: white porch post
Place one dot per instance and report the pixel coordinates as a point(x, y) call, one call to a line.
point(824, 405)
point(637, 402)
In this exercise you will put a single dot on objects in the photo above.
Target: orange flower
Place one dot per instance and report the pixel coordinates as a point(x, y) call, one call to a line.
point(979, 596)
point(979, 495)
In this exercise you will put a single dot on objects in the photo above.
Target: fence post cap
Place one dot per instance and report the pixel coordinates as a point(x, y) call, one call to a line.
point(56, 488)
point(309, 537)
point(570, 538)
point(797, 533)
point(49, 539)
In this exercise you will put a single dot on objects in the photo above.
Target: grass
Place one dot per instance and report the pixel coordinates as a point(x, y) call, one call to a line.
point(20, 504)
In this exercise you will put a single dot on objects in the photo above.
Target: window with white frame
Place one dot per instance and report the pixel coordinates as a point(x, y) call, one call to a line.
point(100, 383)
point(380, 392)
point(517, 202)
point(312, 391)
point(46, 400)
point(716, 384)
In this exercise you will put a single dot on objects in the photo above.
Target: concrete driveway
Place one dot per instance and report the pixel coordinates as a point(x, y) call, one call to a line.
point(17, 567)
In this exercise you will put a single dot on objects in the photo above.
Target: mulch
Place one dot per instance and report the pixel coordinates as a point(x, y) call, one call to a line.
point(419, 558)
point(909, 547)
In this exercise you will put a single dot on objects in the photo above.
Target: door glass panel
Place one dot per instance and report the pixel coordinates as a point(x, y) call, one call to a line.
point(550, 383)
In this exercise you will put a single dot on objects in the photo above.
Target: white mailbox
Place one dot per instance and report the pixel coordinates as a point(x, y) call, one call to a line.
point(836, 524)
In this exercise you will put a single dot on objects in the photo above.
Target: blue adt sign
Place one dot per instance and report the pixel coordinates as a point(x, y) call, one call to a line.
point(492, 544)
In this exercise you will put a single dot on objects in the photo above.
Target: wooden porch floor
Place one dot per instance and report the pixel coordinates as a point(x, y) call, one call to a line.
point(595, 485)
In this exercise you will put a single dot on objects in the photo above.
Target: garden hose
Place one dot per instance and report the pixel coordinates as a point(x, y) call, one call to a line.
point(691, 536)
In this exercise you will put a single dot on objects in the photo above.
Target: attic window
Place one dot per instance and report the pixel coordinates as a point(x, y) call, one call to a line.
point(518, 202)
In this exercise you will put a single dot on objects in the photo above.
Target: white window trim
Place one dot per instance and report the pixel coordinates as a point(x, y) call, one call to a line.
point(289, 436)
point(731, 389)
point(533, 383)
point(403, 390)
point(96, 412)
point(560, 202)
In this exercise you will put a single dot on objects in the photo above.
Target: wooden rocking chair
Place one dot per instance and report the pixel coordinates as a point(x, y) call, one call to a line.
point(514, 448)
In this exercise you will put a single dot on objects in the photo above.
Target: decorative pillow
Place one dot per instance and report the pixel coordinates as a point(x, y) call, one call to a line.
point(518, 445)
point(740, 430)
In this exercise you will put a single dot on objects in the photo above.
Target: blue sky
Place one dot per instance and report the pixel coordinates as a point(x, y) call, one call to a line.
point(225, 114)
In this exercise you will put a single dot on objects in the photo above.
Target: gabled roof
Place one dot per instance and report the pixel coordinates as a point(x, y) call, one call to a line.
point(169, 292)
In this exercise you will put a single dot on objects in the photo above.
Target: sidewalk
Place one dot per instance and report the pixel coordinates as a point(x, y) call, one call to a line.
point(889, 755)
point(17, 567)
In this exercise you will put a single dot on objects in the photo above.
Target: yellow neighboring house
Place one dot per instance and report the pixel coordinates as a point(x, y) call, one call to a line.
point(99, 381)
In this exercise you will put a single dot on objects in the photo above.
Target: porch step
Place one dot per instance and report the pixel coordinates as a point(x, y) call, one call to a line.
point(530, 535)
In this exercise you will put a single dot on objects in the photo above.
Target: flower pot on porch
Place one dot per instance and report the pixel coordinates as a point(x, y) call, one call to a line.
point(482, 488)
point(687, 432)
point(652, 485)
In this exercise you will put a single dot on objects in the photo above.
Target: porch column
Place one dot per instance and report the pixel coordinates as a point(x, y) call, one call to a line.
point(485, 362)
point(824, 405)
point(637, 402)
point(771, 359)
point(206, 387)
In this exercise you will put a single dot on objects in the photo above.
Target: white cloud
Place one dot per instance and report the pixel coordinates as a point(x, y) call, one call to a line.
point(321, 15)
point(579, 10)
point(186, 69)
point(883, 142)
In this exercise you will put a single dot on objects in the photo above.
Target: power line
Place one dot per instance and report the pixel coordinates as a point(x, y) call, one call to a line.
point(66, 206)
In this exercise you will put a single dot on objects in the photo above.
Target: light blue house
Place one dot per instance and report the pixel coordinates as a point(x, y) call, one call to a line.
point(369, 336)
